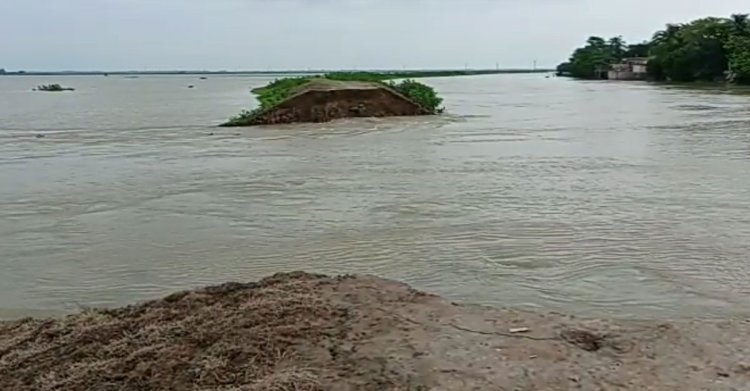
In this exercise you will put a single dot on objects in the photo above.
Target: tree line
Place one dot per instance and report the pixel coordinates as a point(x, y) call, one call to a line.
point(708, 49)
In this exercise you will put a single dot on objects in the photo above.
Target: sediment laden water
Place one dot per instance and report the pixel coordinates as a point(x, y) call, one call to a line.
point(588, 197)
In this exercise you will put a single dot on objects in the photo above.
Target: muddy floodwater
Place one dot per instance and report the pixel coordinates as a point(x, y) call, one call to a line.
point(594, 198)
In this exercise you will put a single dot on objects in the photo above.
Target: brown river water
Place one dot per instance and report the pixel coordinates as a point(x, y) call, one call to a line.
point(595, 198)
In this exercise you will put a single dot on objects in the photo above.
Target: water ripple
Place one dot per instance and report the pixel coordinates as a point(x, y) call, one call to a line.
point(530, 192)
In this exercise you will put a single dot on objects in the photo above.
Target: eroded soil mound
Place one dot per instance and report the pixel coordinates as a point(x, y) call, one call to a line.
point(323, 102)
point(307, 332)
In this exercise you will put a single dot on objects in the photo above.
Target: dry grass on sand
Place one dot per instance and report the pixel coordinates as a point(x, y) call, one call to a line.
point(308, 332)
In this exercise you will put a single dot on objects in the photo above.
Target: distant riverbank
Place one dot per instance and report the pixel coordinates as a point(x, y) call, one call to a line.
point(404, 73)
point(704, 50)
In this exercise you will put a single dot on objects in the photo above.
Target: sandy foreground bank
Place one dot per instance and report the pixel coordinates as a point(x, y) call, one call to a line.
point(309, 332)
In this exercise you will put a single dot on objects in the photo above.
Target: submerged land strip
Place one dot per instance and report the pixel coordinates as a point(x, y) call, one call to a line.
point(308, 332)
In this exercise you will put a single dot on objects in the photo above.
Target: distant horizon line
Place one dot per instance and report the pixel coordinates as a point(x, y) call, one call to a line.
point(266, 72)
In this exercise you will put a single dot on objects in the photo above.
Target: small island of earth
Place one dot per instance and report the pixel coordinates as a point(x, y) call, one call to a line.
point(339, 95)
point(53, 88)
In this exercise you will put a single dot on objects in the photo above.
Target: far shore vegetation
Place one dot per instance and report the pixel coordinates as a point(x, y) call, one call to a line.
point(404, 73)
point(53, 88)
point(279, 90)
point(704, 50)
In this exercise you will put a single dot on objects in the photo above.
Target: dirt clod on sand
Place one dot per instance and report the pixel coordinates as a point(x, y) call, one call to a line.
point(309, 332)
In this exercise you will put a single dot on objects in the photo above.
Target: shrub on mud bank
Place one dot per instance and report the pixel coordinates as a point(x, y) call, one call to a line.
point(279, 90)
point(424, 95)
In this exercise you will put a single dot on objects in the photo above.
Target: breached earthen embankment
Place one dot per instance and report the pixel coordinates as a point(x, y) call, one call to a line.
point(309, 332)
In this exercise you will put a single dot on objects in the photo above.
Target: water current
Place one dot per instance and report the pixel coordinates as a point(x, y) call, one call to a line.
point(595, 198)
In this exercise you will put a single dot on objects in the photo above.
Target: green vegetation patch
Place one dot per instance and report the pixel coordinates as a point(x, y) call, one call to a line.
point(52, 88)
point(424, 95)
point(704, 50)
point(279, 90)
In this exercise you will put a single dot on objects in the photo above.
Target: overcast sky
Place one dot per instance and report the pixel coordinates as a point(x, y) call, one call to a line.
point(299, 34)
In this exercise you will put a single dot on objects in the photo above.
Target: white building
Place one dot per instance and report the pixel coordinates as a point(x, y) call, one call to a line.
point(635, 68)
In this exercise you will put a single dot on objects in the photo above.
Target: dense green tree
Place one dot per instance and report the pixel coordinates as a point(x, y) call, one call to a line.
point(738, 47)
point(739, 59)
point(617, 47)
point(708, 49)
point(670, 34)
point(590, 61)
point(638, 50)
point(663, 43)
point(741, 24)
point(690, 52)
